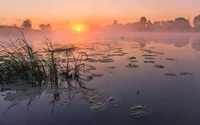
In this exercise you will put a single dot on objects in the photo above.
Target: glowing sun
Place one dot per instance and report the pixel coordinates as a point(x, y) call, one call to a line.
point(78, 29)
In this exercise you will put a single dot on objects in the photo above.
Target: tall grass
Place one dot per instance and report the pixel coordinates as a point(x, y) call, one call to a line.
point(19, 59)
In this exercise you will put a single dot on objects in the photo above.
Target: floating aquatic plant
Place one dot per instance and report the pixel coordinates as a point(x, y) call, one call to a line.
point(100, 106)
point(170, 74)
point(158, 52)
point(133, 61)
point(132, 66)
point(186, 73)
point(140, 111)
point(106, 60)
point(111, 67)
point(149, 58)
point(149, 61)
point(148, 55)
point(159, 66)
point(109, 99)
point(171, 59)
point(90, 96)
point(150, 51)
point(130, 58)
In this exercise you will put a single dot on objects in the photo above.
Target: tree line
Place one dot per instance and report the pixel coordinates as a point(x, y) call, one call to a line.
point(27, 25)
point(179, 24)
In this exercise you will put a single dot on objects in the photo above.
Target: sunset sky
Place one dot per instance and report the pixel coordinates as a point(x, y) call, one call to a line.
point(61, 13)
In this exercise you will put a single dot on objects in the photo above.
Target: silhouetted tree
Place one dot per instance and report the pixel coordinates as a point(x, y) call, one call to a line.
point(44, 27)
point(157, 26)
point(143, 22)
point(27, 24)
point(182, 24)
point(196, 22)
point(115, 22)
point(149, 25)
point(14, 25)
point(170, 25)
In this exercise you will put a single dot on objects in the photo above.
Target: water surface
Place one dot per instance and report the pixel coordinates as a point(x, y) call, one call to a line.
point(173, 97)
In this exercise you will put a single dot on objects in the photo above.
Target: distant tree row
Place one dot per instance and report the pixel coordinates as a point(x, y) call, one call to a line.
point(27, 24)
point(179, 24)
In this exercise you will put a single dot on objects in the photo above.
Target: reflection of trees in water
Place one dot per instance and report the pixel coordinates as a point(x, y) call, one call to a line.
point(196, 44)
point(142, 42)
point(180, 42)
point(176, 41)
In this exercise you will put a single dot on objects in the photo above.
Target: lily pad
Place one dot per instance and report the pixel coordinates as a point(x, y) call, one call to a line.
point(109, 99)
point(118, 51)
point(159, 53)
point(148, 55)
point(149, 61)
point(105, 60)
point(99, 106)
point(140, 111)
point(170, 74)
point(132, 66)
point(171, 59)
point(151, 58)
point(130, 58)
point(186, 73)
point(90, 96)
point(134, 61)
point(111, 67)
point(159, 66)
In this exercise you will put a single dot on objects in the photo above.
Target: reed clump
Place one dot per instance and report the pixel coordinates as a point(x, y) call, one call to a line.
point(18, 59)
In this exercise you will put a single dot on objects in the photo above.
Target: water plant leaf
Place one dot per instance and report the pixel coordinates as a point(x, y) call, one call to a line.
point(140, 111)
point(159, 66)
point(170, 74)
point(109, 99)
point(99, 106)
point(186, 73)
point(130, 58)
point(111, 67)
point(171, 59)
point(106, 60)
point(132, 66)
point(149, 61)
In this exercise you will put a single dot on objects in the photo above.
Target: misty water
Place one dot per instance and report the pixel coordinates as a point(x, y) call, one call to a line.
point(156, 73)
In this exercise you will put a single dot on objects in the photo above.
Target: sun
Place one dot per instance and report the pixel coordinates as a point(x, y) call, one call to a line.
point(78, 29)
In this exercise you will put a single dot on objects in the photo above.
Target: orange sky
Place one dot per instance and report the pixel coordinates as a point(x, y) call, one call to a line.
point(64, 13)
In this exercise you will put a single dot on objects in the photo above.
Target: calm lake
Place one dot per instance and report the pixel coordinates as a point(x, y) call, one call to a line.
point(130, 81)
